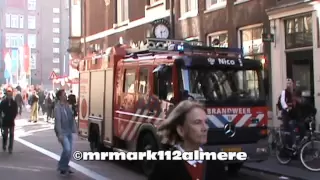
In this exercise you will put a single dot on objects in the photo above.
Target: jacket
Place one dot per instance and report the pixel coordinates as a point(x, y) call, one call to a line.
point(62, 123)
point(301, 111)
point(285, 99)
point(10, 112)
point(176, 170)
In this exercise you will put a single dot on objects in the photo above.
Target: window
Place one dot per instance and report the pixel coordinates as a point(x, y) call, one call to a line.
point(163, 86)
point(56, 40)
point(66, 3)
point(189, 6)
point(31, 22)
point(247, 83)
point(56, 20)
point(153, 2)
point(298, 32)
point(33, 61)
point(56, 50)
point(21, 40)
point(8, 40)
point(222, 37)
point(56, 10)
point(122, 11)
point(129, 81)
point(21, 22)
point(32, 40)
point(143, 80)
point(8, 20)
point(32, 5)
point(56, 30)
point(56, 60)
point(251, 42)
point(14, 40)
point(215, 3)
point(14, 21)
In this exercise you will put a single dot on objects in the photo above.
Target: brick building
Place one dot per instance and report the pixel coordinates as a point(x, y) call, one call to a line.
point(43, 28)
point(295, 24)
point(237, 23)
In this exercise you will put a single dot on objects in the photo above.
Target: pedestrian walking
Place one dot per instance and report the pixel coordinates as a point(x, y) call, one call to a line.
point(19, 100)
point(34, 107)
point(186, 130)
point(49, 105)
point(9, 109)
point(64, 128)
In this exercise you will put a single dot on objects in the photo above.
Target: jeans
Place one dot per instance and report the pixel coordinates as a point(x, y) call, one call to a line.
point(289, 126)
point(66, 154)
point(6, 131)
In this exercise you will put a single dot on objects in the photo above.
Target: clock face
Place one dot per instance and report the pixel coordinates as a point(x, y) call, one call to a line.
point(161, 31)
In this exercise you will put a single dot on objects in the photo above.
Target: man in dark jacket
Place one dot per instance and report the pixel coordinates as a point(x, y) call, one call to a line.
point(72, 101)
point(298, 114)
point(9, 108)
point(19, 100)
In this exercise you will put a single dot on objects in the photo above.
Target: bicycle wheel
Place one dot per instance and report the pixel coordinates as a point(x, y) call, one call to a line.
point(311, 151)
point(282, 154)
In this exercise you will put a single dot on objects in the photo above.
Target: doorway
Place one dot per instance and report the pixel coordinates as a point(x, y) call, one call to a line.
point(300, 69)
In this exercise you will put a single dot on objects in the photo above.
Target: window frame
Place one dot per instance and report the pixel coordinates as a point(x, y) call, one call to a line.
point(34, 39)
point(217, 5)
point(122, 8)
point(14, 21)
point(21, 21)
point(147, 80)
point(32, 5)
point(56, 50)
point(54, 40)
point(8, 20)
point(131, 70)
point(56, 32)
point(33, 24)
point(56, 10)
point(293, 35)
point(185, 13)
point(55, 61)
point(56, 20)
point(155, 86)
point(252, 28)
point(219, 33)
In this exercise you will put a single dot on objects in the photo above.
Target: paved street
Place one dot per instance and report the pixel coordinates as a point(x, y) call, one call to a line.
point(36, 152)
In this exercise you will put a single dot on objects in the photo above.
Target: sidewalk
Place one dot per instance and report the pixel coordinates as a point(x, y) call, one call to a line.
point(294, 170)
point(26, 163)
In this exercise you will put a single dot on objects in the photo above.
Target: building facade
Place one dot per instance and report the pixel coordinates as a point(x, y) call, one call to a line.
point(295, 24)
point(236, 23)
point(53, 38)
point(42, 27)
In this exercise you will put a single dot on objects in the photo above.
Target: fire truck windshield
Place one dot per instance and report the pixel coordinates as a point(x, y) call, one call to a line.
point(208, 84)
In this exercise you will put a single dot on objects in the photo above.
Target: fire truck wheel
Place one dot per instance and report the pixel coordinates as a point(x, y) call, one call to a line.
point(147, 142)
point(233, 169)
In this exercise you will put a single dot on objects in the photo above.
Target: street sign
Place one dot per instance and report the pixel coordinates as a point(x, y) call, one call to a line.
point(53, 75)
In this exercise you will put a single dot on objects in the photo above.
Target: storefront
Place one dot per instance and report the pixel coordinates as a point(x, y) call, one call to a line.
point(295, 29)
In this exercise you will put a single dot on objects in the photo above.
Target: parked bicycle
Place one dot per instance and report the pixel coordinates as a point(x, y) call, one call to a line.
point(308, 148)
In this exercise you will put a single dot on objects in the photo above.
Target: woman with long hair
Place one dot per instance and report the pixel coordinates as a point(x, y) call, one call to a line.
point(186, 130)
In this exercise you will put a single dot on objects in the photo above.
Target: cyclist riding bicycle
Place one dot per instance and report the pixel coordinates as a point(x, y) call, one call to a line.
point(294, 111)
point(285, 105)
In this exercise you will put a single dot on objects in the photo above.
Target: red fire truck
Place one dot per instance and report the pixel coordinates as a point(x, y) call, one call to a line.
point(125, 93)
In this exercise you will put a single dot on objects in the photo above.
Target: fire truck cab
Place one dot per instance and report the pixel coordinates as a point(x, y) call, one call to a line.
point(126, 93)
